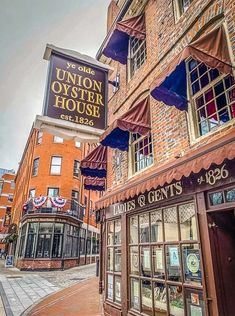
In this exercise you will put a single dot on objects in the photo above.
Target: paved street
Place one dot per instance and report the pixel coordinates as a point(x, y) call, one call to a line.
point(19, 290)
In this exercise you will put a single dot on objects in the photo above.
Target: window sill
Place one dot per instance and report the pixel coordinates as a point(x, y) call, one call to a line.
point(139, 172)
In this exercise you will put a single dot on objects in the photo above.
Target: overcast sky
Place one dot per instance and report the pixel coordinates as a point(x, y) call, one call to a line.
point(26, 27)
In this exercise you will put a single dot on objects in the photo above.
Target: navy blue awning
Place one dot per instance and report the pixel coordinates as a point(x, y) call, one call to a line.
point(94, 184)
point(117, 46)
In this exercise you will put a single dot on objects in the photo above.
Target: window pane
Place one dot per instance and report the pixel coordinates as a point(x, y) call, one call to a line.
point(146, 297)
point(55, 169)
point(117, 289)
point(110, 259)
point(192, 264)
point(58, 228)
point(160, 299)
point(156, 226)
point(110, 232)
point(117, 259)
point(176, 301)
point(216, 198)
point(56, 160)
point(45, 228)
point(144, 228)
point(194, 302)
point(135, 294)
point(171, 224)
point(110, 287)
point(158, 262)
point(32, 228)
point(173, 263)
point(29, 252)
point(134, 230)
point(57, 246)
point(145, 261)
point(53, 192)
point(188, 228)
point(134, 260)
point(58, 139)
point(230, 195)
point(117, 235)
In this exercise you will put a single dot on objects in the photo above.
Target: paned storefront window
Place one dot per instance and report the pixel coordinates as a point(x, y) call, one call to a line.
point(71, 241)
point(213, 97)
point(114, 261)
point(222, 196)
point(142, 152)
point(165, 261)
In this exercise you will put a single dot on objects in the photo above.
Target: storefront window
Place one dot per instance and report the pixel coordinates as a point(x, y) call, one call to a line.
point(22, 240)
point(164, 260)
point(221, 197)
point(114, 261)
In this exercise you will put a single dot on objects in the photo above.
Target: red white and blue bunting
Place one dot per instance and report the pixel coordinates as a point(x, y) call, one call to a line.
point(58, 201)
point(39, 201)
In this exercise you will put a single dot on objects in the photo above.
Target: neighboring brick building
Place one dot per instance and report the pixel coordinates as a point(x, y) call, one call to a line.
point(52, 234)
point(7, 187)
point(168, 211)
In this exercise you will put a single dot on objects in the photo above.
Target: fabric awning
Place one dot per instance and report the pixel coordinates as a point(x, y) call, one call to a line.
point(136, 120)
point(94, 184)
point(117, 46)
point(193, 162)
point(211, 49)
point(95, 164)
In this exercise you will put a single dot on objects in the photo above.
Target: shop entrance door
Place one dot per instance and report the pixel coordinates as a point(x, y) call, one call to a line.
point(222, 237)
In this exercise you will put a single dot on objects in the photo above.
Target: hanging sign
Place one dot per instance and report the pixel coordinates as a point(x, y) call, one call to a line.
point(76, 91)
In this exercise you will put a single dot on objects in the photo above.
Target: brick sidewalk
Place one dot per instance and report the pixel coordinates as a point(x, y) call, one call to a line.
point(81, 299)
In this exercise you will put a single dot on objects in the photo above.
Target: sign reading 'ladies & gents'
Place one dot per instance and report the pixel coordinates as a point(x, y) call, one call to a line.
point(76, 92)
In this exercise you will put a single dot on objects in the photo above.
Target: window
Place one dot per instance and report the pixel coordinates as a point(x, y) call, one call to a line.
point(22, 240)
point(82, 241)
point(57, 240)
point(113, 272)
point(222, 196)
point(1, 186)
point(213, 97)
point(141, 151)
point(44, 240)
point(76, 168)
point(35, 166)
point(75, 201)
point(137, 54)
point(12, 186)
point(181, 6)
point(58, 140)
point(10, 197)
point(72, 241)
point(31, 240)
point(39, 137)
point(32, 193)
point(53, 192)
point(77, 144)
point(164, 256)
point(56, 165)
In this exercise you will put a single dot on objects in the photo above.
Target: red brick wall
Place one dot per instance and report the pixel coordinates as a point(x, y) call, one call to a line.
point(165, 38)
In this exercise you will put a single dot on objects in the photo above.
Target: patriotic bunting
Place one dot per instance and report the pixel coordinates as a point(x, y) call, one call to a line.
point(58, 201)
point(39, 201)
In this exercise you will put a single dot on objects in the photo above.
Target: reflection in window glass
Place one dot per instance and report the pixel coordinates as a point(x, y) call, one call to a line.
point(110, 233)
point(158, 262)
point(230, 195)
point(134, 230)
point(194, 302)
point(173, 263)
point(192, 264)
point(171, 224)
point(145, 261)
point(146, 297)
point(176, 301)
point(45, 228)
point(110, 259)
point(144, 228)
point(160, 299)
point(134, 260)
point(117, 235)
point(117, 289)
point(156, 226)
point(135, 294)
point(117, 259)
point(187, 219)
point(216, 198)
point(110, 287)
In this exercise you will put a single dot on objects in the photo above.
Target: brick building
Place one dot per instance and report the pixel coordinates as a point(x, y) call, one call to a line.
point(7, 187)
point(50, 209)
point(168, 211)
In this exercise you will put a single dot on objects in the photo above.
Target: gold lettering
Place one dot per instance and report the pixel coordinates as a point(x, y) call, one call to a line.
point(56, 87)
point(178, 188)
point(66, 89)
point(70, 105)
point(97, 86)
point(58, 70)
point(59, 102)
point(96, 111)
point(99, 99)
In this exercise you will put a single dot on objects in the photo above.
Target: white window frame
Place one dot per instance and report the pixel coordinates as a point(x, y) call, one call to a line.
point(131, 56)
point(34, 174)
point(58, 140)
point(76, 171)
point(55, 165)
point(39, 137)
point(179, 9)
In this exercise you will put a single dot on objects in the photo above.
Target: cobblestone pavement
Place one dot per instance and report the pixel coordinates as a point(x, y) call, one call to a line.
point(19, 290)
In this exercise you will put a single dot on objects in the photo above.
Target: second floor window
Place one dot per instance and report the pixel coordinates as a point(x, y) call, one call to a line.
point(213, 97)
point(137, 55)
point(141, 151)
point(35, 166)
point(56, 165)
point(32, 193)
point(53, 192)
point(39, 137)
point(76, 168)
